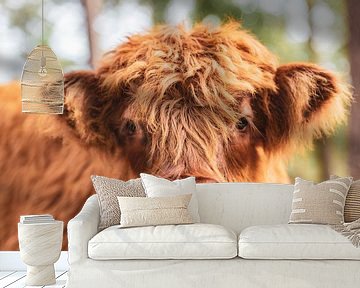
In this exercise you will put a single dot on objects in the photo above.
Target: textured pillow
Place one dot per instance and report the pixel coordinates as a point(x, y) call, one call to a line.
point(321, 203)
point(352, 203)
point(160, 187)
point(139, 211)
point(107, 190)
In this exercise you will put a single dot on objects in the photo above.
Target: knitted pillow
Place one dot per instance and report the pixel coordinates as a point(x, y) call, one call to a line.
point(107, 190)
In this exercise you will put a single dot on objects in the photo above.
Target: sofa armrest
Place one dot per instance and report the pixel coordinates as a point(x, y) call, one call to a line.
point(82, 228)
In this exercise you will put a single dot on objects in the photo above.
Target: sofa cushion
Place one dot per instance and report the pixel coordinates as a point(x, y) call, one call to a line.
point(352, 203)
point(145, 211)
point(107, 190)
point(300, 241)
point(160, 187)
point(192, 241)
point(321, 203)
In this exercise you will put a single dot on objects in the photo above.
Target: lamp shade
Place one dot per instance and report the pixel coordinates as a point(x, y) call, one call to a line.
point(42, 82)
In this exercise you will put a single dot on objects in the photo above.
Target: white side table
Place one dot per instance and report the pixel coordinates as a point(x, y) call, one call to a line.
point(40, 247)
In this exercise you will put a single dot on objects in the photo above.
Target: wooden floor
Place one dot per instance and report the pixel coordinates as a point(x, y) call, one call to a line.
point(16, 279)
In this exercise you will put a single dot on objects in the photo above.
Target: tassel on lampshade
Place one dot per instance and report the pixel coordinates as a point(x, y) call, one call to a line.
point(42, 81)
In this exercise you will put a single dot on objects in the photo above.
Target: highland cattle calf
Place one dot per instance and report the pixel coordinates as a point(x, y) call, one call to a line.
point(208, 102)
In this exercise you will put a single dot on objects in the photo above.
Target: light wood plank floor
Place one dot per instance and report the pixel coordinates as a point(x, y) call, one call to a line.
point(16, 279)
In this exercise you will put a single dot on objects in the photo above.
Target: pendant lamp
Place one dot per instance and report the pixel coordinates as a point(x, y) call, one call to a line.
point(42, 80)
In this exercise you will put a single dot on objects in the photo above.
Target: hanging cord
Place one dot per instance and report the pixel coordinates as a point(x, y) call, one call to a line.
point(42, 22)
point(43, 59)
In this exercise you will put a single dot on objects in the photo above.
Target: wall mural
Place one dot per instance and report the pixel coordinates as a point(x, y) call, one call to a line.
point(209, 102)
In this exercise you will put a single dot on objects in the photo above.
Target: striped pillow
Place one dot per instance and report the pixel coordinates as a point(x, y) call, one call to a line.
point(352, 203)
point(321, 203)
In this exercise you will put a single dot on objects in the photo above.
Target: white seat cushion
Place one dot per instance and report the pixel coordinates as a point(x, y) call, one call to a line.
point(295, 241)
point(192, 241)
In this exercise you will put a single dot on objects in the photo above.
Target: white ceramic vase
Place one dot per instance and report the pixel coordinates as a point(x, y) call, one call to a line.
point(40, 247)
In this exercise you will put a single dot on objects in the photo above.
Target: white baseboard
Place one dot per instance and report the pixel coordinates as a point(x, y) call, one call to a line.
point(10, 260)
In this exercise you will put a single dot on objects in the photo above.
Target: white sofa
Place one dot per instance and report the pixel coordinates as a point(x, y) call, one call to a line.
point(250, 221)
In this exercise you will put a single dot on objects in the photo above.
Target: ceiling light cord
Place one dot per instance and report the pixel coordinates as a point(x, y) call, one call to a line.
point(42, 22)
point(43, 59)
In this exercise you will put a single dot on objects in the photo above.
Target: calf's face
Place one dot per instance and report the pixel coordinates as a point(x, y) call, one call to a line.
point(209, 102)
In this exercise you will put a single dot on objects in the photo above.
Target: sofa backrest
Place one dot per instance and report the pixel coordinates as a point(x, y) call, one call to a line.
point(239, 205)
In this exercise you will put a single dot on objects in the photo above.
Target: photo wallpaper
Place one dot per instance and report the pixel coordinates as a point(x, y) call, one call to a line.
point(226, 91)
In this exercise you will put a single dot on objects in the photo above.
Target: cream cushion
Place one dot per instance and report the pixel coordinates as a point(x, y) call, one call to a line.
point(144, 211)
point(301, 241)
point(192, 241)
point(160, 187)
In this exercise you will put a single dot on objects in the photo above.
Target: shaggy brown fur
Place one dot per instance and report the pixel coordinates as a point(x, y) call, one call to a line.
point(209, 102)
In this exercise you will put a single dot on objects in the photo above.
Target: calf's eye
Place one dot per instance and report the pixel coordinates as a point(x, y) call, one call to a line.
point(130, 127)
point(242, 124)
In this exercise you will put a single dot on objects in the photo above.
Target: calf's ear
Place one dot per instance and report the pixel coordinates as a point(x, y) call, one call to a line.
point(310, 103)
point(83, 110)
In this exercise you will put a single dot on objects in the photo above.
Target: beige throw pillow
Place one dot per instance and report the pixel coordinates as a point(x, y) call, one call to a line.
point(138, 211)
point(321, 203)
point(107, 190)
point(352, 203)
